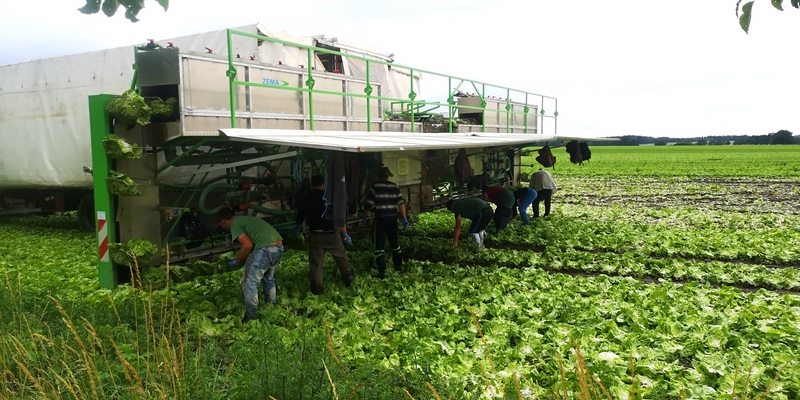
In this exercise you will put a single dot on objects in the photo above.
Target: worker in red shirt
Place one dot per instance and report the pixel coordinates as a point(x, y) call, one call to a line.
point(503, 197)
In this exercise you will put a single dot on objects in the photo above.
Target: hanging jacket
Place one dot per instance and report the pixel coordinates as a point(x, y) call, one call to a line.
point(355, 181)
point(463, 171)
point(336, 189)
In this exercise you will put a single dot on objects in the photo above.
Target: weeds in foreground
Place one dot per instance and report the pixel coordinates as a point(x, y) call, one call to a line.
point(151, 357)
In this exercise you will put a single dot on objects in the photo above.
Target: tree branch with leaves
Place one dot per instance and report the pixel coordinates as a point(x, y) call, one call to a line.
point(744, 19)
point(110, 7)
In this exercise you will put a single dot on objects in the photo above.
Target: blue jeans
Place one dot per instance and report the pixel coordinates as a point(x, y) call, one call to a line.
point(524, 203)
point(260, 267)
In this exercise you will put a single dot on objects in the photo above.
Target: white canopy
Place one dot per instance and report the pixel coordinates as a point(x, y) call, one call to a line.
point(364, 142)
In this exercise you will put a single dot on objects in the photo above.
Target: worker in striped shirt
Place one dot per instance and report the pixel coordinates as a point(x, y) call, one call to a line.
point(385, 200)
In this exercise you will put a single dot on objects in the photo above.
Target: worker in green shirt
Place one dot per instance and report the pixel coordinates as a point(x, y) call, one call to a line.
point(476, 210)
point(261, 250)
point(503, 197)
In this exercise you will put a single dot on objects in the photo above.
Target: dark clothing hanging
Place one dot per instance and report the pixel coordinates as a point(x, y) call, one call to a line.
point(463, 171)
point(336, 189)
point(312, 209)
point(355, 180)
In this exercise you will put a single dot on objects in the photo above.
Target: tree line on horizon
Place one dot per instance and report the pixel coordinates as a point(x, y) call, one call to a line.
point(780, 137)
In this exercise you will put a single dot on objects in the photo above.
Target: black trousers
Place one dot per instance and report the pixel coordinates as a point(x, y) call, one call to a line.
point(501, 217)
point(481, 221)
point(544, 194)
point(382, 229)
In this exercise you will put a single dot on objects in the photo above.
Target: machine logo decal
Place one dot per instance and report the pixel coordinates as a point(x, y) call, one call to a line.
point(273, 82)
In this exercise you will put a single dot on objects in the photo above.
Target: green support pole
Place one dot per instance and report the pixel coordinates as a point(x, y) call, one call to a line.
point(483, 107)
point(412, 96)
point(135, 80)
point(508, 111)
point(541, 112)
point(450, 102)
point(231, 73)
point(100, 126)
point(368, 91)
point(555, 118)
point(526, 110)
point(310, 84)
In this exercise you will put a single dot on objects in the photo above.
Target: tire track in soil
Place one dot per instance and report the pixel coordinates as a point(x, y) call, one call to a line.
point(778, 195)
point(541, 249)
point(648, 279)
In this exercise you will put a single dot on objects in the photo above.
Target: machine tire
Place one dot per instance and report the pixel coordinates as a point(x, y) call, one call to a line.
point(86, 213)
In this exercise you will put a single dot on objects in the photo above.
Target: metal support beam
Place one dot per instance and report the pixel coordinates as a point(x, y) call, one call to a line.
point(231, 165)
point(100, 126)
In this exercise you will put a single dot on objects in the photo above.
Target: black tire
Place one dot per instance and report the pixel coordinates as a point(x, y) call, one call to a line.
point(86, 221)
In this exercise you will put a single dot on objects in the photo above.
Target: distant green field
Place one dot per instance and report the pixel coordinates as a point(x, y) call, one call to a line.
point(668, 161)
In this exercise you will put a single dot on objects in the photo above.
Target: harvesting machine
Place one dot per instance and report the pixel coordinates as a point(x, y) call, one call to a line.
point(254, 113)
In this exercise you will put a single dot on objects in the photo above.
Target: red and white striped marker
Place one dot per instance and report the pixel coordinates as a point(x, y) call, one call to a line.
point(102, 235)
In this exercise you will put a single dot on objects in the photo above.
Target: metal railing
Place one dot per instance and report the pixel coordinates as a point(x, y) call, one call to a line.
point(411, 103)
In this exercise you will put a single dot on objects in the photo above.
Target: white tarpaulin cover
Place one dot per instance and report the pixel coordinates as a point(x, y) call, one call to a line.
point(44, 116)
point(360, 142)
point(398, 82)
point(44, 107)
point(272, 53)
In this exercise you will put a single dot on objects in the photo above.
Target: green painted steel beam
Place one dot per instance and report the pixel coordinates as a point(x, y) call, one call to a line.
point(310, 83)
point(364, 96)
point(372, 60)
point(177, 159)
point(368, 91)
point(231, 78)
point(135, 80)
point(175, 143)
point(450, 103)
point(309, 86)
point(100, 126)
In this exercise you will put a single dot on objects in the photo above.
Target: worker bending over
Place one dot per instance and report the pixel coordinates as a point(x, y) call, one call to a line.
point(503, 197)
point(524, 198)
point(476, 210)
point(261, 250)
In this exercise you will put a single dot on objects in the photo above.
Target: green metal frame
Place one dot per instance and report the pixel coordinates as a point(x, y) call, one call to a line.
point(413, 103)
point(100, 126)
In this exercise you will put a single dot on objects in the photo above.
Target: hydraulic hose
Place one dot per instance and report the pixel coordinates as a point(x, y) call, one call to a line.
point(284, 225)
point(210, 188)
point(270, 211)
point(193, 187)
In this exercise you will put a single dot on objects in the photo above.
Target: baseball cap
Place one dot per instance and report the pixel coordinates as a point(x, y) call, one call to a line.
point(384, 171)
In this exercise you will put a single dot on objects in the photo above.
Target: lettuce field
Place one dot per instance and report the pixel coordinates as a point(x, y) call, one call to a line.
point(662, 273)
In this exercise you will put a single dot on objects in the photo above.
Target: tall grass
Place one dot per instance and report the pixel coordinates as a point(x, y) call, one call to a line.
point(71, 359)
point(151, 351)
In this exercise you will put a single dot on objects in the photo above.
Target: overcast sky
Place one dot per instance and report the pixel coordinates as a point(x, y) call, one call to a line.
point(625, 67)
